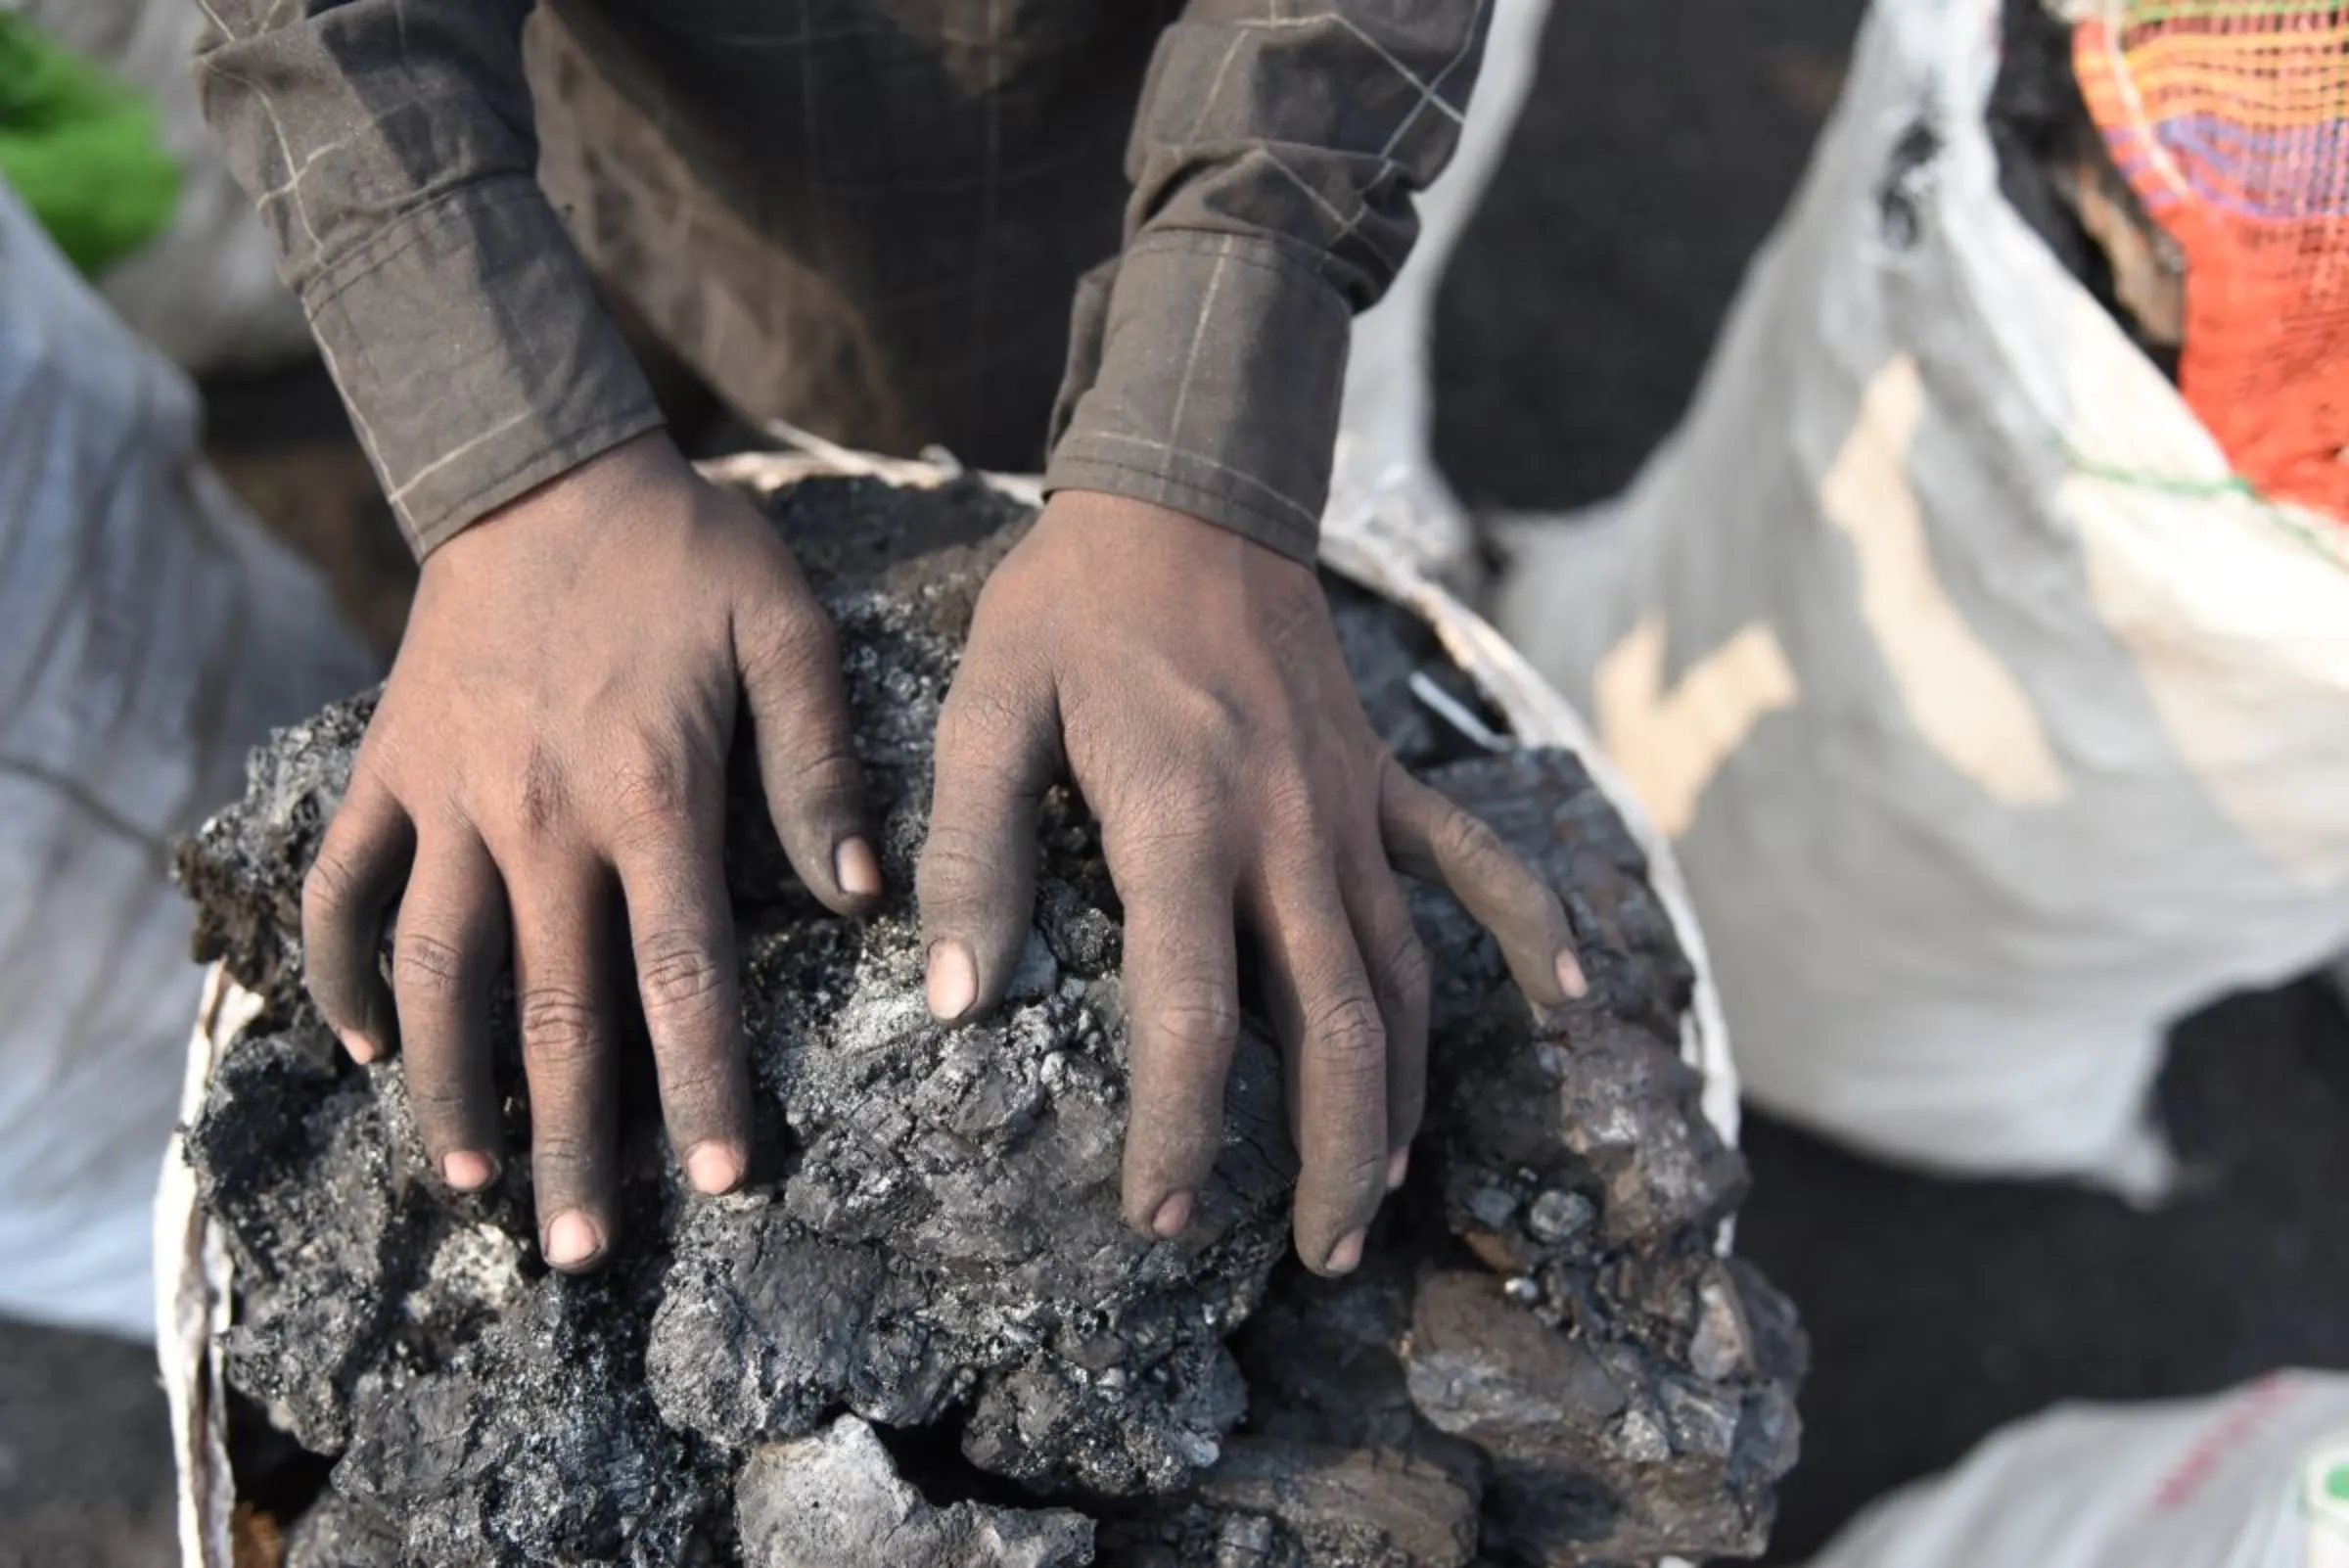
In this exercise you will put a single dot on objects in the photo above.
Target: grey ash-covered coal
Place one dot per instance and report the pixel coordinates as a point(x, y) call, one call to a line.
point(920, 1335)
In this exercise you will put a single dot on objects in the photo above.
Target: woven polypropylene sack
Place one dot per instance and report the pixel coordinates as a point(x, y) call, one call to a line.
point(1995, 721)
point(150, 634)
point(2231, 120)
point(2257, 1477)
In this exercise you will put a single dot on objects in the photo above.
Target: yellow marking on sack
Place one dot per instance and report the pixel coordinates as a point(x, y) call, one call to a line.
point(1965, 702)
point(1670, 744)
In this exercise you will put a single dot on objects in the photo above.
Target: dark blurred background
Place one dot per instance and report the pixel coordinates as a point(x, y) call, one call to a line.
point(1660, 145)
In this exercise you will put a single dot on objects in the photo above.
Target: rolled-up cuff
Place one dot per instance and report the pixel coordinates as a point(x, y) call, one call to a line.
point(1205, 377)
point(474, 357)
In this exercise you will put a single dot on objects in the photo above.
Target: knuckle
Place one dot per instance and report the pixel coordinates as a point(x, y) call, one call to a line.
point(1460, 833)
point(1298, 820)
point(950, 856)
point(1290, 802)
point(440, 1102)
point(1211, 723)
point(679, 972)
point(1197, 1017)
point(1348, 1034)
point(704, 1089)
point(426, 968)
point(558, 1025)
point(655, 788)
point(1463, 839)
point(564, 1164)
point(1191, 800)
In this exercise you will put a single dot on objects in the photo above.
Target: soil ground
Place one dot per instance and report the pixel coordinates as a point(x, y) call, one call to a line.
point(1660, 145)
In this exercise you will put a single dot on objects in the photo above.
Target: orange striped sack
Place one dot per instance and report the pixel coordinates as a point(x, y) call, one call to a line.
point(2231, 120)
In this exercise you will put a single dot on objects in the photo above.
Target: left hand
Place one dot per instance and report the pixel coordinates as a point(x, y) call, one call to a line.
point(1191, 682)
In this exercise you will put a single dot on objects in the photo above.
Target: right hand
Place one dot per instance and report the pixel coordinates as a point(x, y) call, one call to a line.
point(549, 759)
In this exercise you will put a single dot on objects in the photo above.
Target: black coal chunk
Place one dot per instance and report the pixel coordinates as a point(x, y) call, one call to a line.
point(922, 1322)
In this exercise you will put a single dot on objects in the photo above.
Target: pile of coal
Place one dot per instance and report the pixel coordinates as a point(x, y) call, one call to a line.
point(2057, 170)
point(920, 1334)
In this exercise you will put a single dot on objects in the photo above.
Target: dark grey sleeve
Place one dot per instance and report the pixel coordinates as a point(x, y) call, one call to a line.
point(388, 146)
point(1274, 158)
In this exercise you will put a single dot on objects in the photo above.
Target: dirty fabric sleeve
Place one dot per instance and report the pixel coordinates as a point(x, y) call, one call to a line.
point(868, 219)
point(388, 146)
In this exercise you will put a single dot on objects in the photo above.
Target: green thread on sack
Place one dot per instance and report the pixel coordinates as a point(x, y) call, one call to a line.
point(2316, 540)
point(84, 152)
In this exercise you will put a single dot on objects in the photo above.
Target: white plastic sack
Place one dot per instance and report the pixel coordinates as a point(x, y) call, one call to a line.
point(150, 634)
point(205, 292)
point(2256, 1478)
point(1994, 727)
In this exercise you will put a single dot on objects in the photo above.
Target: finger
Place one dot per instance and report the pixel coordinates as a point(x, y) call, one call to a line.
point(561, 910)
point(682, 930)
point(1397, 967)
point(358, 870)
point(1182, 1006)
point(448, 948)
point(996, 753)
point(790, 664)
point(1327, 1014)
point(1430, 837)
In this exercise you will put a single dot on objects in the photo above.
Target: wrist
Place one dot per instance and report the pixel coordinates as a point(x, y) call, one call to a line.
point(646, 460)
point(568, 524)
point(1112, 515)
point(621, 474)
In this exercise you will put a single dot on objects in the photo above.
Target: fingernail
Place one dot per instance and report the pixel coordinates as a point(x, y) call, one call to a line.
point(1398, 1166)
point(467, 1171)
point(1173, 1214)
point(954, 980)
point(713, 1167)
point(361, 1051)
point(857, 867)
point(1347, 1255)
point(572, 1239)
point(1570, 978)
